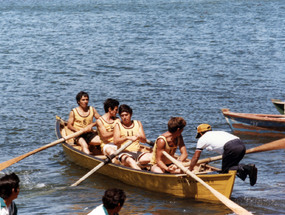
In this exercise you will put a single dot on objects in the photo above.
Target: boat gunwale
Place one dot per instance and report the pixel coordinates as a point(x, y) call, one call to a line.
point(251, 116)
point(278, 101)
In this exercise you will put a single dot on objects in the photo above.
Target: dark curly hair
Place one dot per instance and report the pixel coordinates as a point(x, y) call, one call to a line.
point(7, 183)
point(113, 197)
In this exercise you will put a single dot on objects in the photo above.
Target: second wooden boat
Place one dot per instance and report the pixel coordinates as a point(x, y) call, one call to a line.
point(255, 124)
point(280, 105)
point(180, 185)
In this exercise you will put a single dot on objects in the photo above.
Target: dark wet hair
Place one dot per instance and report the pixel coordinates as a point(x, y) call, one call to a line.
point(125, 108)
point(80, 95)
point(113, 197)
point(7, 183)
point(110, 103)
point(176, 122)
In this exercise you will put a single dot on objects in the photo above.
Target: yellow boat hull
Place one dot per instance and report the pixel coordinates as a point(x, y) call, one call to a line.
point(180, 185)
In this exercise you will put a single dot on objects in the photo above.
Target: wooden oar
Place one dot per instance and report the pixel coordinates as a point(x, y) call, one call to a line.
point(21, 157)
point(149, 142)
point(230, 204)
point(274, 145)
point(107, 160)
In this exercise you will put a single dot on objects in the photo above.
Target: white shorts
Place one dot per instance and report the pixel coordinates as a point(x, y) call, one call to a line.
point(112, 145)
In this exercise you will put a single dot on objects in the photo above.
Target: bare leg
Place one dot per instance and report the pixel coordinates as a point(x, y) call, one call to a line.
point(156, 169)
point(84, 145)
point(145, 159)
point(109, 149)
point(128, 161)
point(96, 141)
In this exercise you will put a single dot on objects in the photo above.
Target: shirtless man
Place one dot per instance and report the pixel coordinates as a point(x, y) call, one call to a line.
point(105, 126)
point(82, 117)
point(169, 141)
point(128, 129)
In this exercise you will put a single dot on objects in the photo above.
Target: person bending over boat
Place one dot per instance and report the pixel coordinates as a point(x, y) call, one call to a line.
point(82, 117)
point(113, 200)
point(9, 191)
point(105, 126)
point(231, 148)
point(169, 141)
point(128, 129)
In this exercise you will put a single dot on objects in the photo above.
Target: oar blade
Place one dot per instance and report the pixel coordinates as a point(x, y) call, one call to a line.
point(12, 161)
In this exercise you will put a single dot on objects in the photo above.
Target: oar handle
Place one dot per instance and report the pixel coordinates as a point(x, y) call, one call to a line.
point(230, 204)
point(274, 145)
point(149, 142)
point(107, 160)
point(207, 160)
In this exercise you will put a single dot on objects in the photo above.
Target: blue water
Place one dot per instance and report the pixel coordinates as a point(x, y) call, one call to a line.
point(186, 58)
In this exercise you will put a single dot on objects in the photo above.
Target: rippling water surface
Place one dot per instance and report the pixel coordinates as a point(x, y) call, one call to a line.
point(163, 58)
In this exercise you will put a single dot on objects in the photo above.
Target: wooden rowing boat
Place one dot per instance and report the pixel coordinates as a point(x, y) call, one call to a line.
point(255, 124)
point(280, 105)
point(180, 185)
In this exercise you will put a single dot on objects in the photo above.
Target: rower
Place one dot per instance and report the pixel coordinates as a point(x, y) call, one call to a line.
point(128, 129)
point(105, 126)
point(82, 117)
point(169, 142)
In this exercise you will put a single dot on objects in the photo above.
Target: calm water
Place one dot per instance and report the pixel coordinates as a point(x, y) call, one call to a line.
point(186, 58)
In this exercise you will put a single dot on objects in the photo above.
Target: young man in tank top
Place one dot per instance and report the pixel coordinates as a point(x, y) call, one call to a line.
point(230, 146)
point(105, 126)
point(82, 117)
point(128, 129)
point(169, 142)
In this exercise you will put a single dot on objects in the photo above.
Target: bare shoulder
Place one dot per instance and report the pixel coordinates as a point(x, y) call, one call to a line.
point(160, 142)
point(140, 123)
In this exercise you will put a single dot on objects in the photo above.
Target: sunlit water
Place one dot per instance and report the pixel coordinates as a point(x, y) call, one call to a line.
point(186, 58)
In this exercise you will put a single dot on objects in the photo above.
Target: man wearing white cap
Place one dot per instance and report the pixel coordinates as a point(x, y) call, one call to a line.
point(230, 146)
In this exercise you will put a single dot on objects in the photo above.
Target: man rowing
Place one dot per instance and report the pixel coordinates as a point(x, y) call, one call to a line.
point(105, 126)
point(128, 129)
point(169, 142)
point(82, 117)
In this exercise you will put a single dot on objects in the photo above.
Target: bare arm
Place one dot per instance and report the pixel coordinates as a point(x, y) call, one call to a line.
point(141, 136)
point(71, 121)
point(183, 149)
point(104, 134)
point(118, 139)
point(96, 114)
point(194, 159)
point(160, 147)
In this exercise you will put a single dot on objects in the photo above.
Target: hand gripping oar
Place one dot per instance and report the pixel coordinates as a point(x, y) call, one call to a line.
point(149, 142)
point(274, 145)
point(107, 160)
point(21, 157)
point(230, 204)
